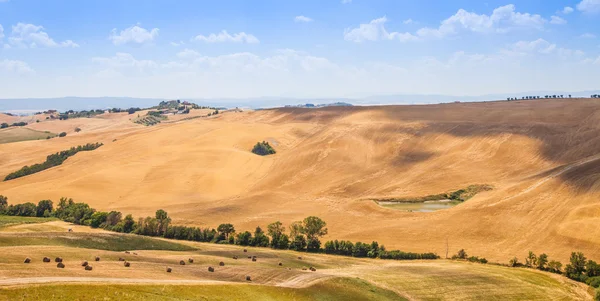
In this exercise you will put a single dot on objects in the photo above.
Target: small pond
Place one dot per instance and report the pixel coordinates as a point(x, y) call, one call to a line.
point(428, 206)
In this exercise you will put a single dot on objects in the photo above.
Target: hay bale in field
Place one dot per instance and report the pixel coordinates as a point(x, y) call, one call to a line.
point(97, 258)
point(126, 264)
point(134, 253)
point(280, 264)
point(222, 264)
point(300, 257)
point(249, 257)
point(121, 259)
point(88, 268)
point(57, 259)
point(60, 265)
point(27, 260)
point(181, 262)
point(70, 230)
point(191, 260)
point(126, 252)
point(211, 269)
point(235, 257)
point(245, 250)
point(84, 263)
point(248, 278)
point(253, 258)
point(46, 259)
point(169, 270)
point(304, 269)
point(313, 269)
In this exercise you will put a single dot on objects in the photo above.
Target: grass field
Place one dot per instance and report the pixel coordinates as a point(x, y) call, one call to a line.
point(335, 289)
point(336, 278)
point(6, 220)
point(17, 133)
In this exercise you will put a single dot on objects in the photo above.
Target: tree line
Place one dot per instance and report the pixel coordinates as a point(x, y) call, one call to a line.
point(303, 235)
point(52, 160)
point(5, 125)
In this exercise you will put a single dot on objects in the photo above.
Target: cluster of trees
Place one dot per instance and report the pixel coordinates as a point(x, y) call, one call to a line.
point(119, 110)
point(538, 97)
point(578, 268)
point(595, 96)
point(51, 160)
point(79, 114)
point(216, 112)
point(5, 125)
point(263, 149)
point(42, 209)
point(462, 255)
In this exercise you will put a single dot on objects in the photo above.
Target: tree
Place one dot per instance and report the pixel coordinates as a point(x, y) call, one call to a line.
point(112, 219)
point(44, 208)
point(514, 262)
point(98, 219)
point(260, 239)
point(555, 267)
point(244, 238)
point(163, 221)
point(3, 203)
point(295, 229)
point(313, 227)
point(542, 261)
point(128, 224)
point(461, 254)
point(576, 267)
point(63, 134)
point(275, 231)
point(592, 269)
point(263, 148)
point(4, 125)
point(299, 243)
point(531, 260)
point(225, 229)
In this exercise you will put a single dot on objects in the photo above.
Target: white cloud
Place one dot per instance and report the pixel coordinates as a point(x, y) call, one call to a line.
point(126, 64)
point(177, 44)
point(589, 6)
point(557, 20)
point(188, 54)
point(503, 19)
point(134, 34)
point(539, 45)
point(588, 35)
point(1, 31)
point(14, 66)
point(30, 35)
point(346, 1)
point(408, 21)
point(302, 19)
point(224, 36)
point(567, 10)
point(375, 31)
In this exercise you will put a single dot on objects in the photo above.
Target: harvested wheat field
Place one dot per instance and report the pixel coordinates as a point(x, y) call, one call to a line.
point(335, 277)
point(540, 156)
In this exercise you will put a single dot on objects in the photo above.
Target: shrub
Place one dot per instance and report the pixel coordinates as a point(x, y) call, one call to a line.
point(63, 134)
point(597, 297)
point(263, 149)
point(77, 130)
point(593, 281)
point(461, 254)
point(4, 125)
point(514, 262)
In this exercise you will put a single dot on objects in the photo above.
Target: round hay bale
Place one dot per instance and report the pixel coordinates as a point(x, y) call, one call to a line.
point(245, 250)
point(126, 264)
point(121, 259)
point(57, 259)
point(280, 264)
point(249, 257)
point(60, 265)
point(222, 264)
point(211, 269)
point(70, 230)
point(253, 258)
point(169, 270)
point(27, 260)
point(181, 262)
point(235, 257)
point(84, 263)
point(46, 259)
point(97, 258)
point(126, 252)
point(191, 260)
point(134, 253)
point(304, 269)
point(300, 257)
point(248, 278)
point(88, 268)
point(313, 269)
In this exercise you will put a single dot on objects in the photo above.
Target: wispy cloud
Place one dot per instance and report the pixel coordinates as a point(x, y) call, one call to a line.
point(303, 19)
point(224, 36)
point(134, 35)
point(589, 6)
point(30, 35)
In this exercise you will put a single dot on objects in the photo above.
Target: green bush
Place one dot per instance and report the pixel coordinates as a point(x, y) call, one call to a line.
point(263, 149)
point(63, 134)
point(593, 281)
point(597, 297)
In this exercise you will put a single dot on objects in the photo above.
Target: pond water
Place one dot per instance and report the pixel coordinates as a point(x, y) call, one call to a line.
point(428, 206)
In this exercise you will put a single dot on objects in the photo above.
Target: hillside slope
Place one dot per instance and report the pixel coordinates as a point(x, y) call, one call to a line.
point(539, 156)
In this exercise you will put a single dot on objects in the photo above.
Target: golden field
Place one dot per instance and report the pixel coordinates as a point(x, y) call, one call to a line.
point(540, 156)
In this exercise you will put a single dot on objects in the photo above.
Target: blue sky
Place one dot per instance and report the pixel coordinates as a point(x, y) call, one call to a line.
point(324, 48)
